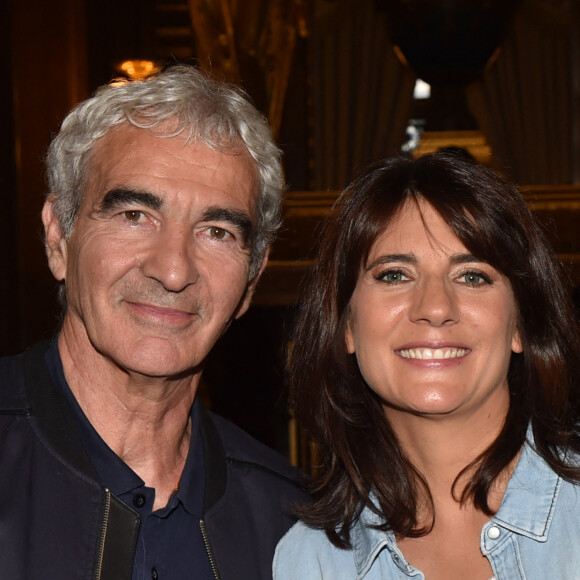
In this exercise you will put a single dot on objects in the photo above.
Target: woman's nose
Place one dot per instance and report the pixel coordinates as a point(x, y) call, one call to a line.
point(435, 302)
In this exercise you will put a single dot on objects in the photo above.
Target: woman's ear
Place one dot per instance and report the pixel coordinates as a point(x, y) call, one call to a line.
point(517, 345)
point(54, 241)
point(348, 337)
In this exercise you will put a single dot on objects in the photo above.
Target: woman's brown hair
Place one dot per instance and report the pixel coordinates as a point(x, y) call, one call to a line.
point(359, 453)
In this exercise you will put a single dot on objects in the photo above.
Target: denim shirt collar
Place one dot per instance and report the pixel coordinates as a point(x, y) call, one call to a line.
point(527, 508)
point(368, 542)
point(530, 498)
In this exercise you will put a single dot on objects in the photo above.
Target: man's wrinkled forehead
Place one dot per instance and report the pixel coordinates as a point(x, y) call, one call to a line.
point(101, 157)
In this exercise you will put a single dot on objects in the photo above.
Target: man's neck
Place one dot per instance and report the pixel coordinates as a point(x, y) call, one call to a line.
point(144, 420)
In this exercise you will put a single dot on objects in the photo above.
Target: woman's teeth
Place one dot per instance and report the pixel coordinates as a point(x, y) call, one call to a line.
point(433, 353)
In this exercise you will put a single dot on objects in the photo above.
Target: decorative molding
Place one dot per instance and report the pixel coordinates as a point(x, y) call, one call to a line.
point(472, 141)
point(557, 207)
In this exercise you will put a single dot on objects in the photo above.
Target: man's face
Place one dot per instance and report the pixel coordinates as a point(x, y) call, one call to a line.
point(157, 264)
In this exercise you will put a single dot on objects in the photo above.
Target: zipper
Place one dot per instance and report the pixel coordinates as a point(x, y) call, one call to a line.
point(104, 526)
point(209, 551)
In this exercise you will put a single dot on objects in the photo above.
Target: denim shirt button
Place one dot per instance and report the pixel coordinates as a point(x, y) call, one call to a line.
point(493, 533)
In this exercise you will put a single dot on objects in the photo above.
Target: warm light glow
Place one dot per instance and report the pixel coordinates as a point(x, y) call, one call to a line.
point(138, 69)
point(422, 90)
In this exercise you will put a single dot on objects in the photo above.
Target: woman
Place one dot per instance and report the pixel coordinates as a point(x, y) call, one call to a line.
point(435, 363)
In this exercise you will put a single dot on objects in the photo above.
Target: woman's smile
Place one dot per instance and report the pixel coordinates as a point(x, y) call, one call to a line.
point(433, 353)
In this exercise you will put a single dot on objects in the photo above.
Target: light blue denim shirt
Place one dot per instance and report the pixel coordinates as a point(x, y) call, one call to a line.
point(535, 535)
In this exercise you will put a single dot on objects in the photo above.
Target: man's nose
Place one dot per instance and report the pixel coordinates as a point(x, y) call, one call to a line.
point(434, 301)
point(171, 259)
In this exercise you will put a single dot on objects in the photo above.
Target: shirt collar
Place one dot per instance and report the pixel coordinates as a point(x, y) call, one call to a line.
point(191, 487)
point(527, 508)
point(368, 542)
point(113, 472)
point(530, 497)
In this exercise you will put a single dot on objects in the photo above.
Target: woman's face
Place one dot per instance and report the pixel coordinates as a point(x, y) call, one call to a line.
point(432, 327)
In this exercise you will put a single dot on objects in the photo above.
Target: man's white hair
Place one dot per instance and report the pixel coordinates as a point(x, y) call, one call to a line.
point(205, 110)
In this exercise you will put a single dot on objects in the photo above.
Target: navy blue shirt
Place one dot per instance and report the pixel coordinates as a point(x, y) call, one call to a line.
point(170, 544)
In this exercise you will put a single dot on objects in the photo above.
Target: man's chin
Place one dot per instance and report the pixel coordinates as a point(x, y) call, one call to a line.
point(157, 359)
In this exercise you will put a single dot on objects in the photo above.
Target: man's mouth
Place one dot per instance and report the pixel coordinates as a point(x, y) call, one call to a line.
point(433, 353)
point(164, 309)
point(157, 310)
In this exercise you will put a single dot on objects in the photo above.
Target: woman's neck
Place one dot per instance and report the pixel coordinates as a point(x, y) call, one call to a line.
point(441, 447)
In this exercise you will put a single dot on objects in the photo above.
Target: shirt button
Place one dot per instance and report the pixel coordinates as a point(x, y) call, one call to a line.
point(154, 574)
point(139, 501)
point(493, 533)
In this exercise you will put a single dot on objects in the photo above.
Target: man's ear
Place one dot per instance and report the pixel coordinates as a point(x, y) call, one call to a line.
point(251, 287)
point(54, 241)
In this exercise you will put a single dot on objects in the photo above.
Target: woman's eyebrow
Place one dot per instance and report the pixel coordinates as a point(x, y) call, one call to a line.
point(464, 259)
point(120, 197)
point(412, 259)
point(390, 258)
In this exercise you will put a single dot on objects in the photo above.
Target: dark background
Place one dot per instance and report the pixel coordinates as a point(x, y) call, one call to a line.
point(348, 102)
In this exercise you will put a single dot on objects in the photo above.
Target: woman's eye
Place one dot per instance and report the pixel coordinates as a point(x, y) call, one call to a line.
point(392, 276)
point(475, 278)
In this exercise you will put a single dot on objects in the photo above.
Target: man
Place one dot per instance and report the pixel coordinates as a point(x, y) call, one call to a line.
point(164, 197)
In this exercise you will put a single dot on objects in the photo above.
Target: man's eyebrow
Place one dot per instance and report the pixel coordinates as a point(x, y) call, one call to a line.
point(239, 219)
point(120, 197)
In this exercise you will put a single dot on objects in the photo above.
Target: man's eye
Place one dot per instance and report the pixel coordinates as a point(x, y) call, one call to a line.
point(218, 233)
point(133, 215)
